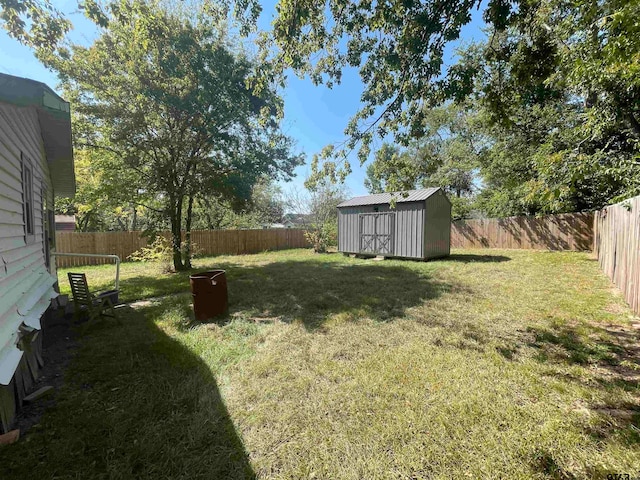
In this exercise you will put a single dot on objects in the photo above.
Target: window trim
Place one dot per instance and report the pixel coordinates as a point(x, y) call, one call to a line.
point(28, 207)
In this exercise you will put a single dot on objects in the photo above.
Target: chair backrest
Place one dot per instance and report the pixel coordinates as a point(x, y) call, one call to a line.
point(79, 288)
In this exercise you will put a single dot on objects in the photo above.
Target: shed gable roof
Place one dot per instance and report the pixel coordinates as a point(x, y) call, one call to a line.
point(385, 198)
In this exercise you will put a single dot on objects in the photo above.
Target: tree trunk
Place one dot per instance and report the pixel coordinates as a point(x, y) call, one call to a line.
point(187, 249)
point(176, 235)
point(134, 219)
point(84, 223)
point(207, 213)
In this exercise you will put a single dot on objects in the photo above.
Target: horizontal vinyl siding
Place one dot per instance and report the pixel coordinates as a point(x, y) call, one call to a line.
point(11, 205)
point(11, 186)
point(23, 273)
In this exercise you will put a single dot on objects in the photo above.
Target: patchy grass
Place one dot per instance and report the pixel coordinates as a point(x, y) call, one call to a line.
point(487, 364)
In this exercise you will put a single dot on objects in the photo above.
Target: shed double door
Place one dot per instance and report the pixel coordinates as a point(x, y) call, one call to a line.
point(376, 232)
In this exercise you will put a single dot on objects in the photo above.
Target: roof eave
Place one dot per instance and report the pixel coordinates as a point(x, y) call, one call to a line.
point(55, 124)
point(58, 147)
point(411, 197)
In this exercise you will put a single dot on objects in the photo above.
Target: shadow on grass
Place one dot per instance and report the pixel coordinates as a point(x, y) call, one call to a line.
point(311, 292)
point(614, 355)
point(136, 404)
point(471, 258)
point(567, 344)
point(154, 285)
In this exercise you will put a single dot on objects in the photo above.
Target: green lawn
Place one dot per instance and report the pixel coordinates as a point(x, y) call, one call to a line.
point(487, 364)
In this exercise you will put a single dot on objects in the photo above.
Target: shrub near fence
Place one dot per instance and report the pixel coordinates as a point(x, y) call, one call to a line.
point(209, 242)
point(617, 247)
point(568, 231)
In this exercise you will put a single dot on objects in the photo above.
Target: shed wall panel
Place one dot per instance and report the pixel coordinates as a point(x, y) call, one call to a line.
point(437, 228)
point(408, 228)
point(349, 226)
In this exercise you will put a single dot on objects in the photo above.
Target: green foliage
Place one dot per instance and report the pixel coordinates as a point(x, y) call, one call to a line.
point(103, 202)
point(552, 148)
point(159, 250)
point(169, 97)
point(461, 207)
point(106, 194)
point(556, 86)
point(264, 207)
point(36, 23)
point(319, 205)
point(322, 236)
point(398, 48)
point(447, 156)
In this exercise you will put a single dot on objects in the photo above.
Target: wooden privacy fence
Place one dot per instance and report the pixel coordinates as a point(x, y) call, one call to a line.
point(617, 247)
point(568, 231)
point(208, 242)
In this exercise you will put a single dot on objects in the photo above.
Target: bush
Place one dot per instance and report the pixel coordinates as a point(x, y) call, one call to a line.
point(321, 237)
point(160, 251)
point(157, 251)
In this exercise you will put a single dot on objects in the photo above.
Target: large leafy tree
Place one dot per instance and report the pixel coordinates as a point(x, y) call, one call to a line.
point(545, 53)
point(551, 149)
point(265, 206)
point(105, 197)
point(171, 100)
point(36, 23)
point(447, 155)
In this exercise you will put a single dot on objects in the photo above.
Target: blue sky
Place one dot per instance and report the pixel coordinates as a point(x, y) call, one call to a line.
point(314, 115)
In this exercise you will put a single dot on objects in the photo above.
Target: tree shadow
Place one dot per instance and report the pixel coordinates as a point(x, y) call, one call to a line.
point(313, 292)
point(468, 229)
point(612, 354)
point(567, 345)
point(154, 285)
point(471, 258)
point(136, 404)
point(572, 231)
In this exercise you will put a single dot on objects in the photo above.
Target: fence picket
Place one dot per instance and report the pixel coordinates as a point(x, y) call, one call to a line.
point(568, 231)
point(617, 247)
point(208, 242)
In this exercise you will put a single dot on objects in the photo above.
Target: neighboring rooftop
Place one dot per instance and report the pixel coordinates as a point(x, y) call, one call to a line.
point(385, 198)
point(65, 223)
point(297, 218)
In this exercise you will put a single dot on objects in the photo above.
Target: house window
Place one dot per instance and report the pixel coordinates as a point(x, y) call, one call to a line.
point(51, 225)
point(27, 200)
point(48, 229)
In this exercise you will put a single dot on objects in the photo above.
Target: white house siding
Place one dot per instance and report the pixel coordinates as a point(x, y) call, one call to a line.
point(26, 286)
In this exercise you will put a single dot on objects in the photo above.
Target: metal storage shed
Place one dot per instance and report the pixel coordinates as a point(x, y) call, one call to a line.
point(418, 227)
